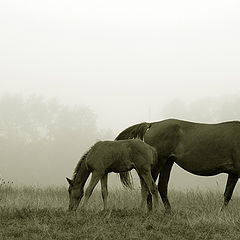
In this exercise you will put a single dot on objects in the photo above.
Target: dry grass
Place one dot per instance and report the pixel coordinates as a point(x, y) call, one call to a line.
point(37, 213)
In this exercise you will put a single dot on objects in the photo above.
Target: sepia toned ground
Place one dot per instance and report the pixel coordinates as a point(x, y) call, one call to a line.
point(40, 213)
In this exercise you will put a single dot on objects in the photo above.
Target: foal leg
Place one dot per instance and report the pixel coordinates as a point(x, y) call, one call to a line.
point(149, 197)
point(144, 192)
point(96, 176)
point(152, 188)
point(104, 190)
point(231, 183)
point(163, 184)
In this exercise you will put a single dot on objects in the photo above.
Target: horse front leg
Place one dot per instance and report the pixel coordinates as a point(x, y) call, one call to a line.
point(163, 183)
point(231, 183)
point(104, 190)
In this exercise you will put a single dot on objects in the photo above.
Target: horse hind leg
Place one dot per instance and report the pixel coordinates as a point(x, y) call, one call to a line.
point(104, 190)
point(96, 176)
point(231, 183)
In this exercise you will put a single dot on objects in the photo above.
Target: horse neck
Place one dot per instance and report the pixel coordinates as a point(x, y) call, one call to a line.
point(82, 174)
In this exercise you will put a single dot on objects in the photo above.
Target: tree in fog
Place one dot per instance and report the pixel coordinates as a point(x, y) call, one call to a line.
point(41, 140)
point(207, 110)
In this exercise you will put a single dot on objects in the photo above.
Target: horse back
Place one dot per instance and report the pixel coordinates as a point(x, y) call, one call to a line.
point(166, 135)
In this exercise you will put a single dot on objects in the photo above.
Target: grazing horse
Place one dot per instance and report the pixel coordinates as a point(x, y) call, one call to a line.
point(201, 149)
point(113, 156)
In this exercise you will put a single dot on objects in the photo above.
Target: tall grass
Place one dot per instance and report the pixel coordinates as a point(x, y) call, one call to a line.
point(40, 213)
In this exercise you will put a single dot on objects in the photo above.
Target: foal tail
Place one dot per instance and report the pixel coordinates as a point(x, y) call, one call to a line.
point(126, 179)
point(135, 131)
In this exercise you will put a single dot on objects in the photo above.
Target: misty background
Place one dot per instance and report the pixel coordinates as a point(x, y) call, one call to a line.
point(74, 72)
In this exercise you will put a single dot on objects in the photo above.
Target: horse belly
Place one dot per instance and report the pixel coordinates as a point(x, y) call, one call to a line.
point(205, 163)
point(206, 169)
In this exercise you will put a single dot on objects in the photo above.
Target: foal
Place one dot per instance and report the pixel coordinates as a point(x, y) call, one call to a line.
point(113, 156)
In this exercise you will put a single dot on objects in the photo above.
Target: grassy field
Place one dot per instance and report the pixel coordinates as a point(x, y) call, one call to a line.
point(35, 213)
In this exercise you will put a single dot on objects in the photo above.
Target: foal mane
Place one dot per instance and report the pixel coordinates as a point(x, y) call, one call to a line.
point(81, 161)
point(79, 164)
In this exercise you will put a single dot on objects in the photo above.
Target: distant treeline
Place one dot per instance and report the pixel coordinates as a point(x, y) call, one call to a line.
point(209, 110)
point(41, 140)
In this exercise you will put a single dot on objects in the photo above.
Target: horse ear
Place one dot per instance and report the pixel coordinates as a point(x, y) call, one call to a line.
point(69, 181)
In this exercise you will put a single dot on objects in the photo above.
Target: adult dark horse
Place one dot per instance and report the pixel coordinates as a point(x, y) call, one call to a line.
point(201, 149)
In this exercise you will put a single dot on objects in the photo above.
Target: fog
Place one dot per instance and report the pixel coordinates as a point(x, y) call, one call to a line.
point(76, 72)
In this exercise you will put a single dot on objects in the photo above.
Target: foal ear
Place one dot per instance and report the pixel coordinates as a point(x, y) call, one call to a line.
point(69, 181)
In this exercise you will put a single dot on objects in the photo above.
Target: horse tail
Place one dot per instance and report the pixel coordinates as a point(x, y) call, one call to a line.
point(126, 179)
point(135, 131)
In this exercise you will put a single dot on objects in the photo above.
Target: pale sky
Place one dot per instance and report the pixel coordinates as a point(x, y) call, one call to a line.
point(123, 59)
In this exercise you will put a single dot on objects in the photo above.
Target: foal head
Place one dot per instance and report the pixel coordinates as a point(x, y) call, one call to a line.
point(75, 194)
